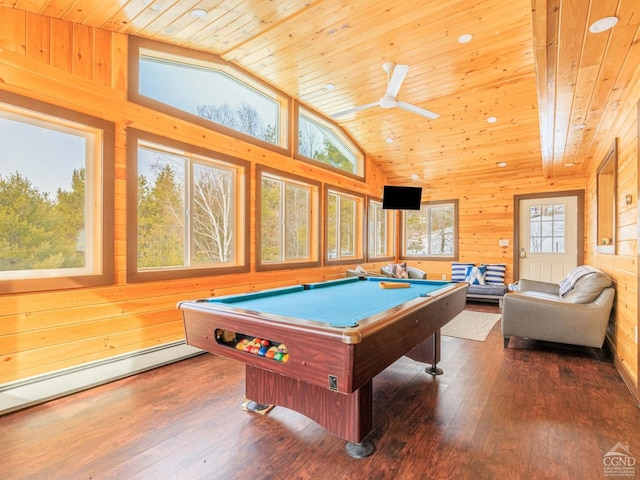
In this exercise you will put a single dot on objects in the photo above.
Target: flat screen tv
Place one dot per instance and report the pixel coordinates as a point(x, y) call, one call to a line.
point(401, 198)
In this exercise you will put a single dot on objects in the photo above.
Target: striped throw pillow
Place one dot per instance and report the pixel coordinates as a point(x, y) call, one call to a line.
point(495, 273)
point(459, 271)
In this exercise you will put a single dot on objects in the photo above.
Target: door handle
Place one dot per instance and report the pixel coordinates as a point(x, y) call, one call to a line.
point(523, 253)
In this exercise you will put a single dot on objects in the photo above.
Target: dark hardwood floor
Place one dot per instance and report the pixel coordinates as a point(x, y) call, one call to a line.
point(532, 411)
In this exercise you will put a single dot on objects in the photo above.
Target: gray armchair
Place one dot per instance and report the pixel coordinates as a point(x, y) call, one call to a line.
point(412, 272)
point(574, 312)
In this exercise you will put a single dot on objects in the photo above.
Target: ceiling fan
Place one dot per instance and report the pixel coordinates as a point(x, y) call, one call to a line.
point(395, 77)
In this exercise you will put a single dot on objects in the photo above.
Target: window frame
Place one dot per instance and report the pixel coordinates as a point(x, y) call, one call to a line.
point(456, 232)
point(172, 52)
point(340, 134)
point(359, 225)
point(134, 275)
point(314, 222)
point(103, 227)
point(392, 220)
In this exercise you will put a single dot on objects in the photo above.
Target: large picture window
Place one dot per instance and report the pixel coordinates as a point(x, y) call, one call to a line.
point(344, 230)
point(380, 231)
point(56, 197)
point(189, 213)
point(432, 231)
point(205, 89)
point(322, 142)
point(288, 222)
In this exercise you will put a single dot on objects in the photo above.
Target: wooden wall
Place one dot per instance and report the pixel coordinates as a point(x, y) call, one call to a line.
point(84, 69)
point(623, 266)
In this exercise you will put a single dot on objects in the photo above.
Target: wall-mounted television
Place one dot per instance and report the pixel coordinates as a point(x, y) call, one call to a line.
point(401, 198)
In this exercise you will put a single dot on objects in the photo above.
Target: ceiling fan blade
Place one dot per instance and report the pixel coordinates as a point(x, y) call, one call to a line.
point(399, 72)
point(418, 110)
point(355, 109)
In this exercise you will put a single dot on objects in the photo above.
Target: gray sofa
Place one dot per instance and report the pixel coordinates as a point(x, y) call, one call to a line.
point(487, 293)
point(574, 312)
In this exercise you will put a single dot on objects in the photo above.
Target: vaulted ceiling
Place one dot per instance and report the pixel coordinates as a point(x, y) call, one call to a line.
point(532, 65)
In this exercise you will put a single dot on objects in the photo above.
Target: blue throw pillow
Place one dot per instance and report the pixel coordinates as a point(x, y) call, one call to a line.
point(475, 275)
point(459, 271)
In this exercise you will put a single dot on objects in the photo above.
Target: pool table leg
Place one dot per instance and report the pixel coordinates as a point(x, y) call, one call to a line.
point(428, 352)
point(348, 416)
point(434, 369)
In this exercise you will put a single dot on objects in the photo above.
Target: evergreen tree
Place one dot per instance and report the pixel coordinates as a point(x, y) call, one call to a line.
point(333, 157)
point(28, 236)
point(70, 210)
point(160, 220)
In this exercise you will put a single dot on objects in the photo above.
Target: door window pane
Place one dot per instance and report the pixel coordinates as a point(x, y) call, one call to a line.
point(547, 228)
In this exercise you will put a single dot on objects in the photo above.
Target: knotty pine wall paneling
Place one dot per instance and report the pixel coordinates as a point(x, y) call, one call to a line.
point(623, 266)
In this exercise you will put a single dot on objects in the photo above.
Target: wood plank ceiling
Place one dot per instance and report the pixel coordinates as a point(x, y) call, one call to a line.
point(545, 121)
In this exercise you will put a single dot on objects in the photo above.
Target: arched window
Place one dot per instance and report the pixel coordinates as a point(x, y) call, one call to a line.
point(322, 142)
point(204, 89)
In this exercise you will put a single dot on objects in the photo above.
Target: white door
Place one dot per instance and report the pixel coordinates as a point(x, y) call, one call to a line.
point(548, 238)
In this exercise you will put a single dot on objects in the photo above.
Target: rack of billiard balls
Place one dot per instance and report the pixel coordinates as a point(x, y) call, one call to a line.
point(264, 348)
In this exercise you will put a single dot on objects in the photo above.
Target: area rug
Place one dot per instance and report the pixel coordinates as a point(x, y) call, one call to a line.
point(471, 325)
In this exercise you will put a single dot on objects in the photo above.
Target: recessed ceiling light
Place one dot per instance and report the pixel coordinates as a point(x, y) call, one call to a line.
point(199, 12)
point(465, 38)
point(603, 24)
point(330, 86)
point(389, 140)
point(156, 7)
point(492, 119)
point(415, 177)
point(502, 164)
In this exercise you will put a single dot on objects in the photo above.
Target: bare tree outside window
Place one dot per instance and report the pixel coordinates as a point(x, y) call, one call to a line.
point(430, 231)
point(168, 236)
point(213, 203)
point(319, 143)
point(285, 220)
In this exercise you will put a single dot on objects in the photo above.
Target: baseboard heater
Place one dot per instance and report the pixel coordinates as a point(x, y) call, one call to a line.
point(41, 388)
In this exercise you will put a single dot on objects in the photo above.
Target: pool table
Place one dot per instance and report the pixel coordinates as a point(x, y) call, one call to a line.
point(316, 348)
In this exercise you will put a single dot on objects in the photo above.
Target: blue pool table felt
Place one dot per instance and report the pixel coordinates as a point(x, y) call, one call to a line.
point(341, 303)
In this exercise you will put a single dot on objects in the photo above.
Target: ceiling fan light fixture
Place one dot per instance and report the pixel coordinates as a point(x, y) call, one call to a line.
point(603, 24)
point(388, 102)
